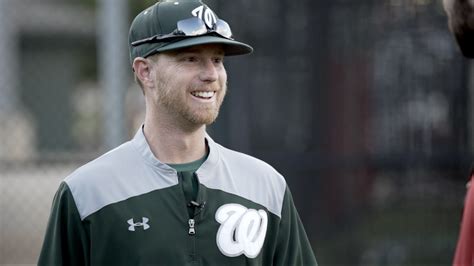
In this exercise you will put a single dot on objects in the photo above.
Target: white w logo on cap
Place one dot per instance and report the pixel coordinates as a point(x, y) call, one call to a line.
point(144, 223)
point(206, 14)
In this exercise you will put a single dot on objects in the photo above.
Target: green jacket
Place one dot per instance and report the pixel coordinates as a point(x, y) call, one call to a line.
point(128, 208)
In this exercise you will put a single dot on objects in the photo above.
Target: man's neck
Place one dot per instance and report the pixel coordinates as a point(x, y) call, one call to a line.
point(173, 145)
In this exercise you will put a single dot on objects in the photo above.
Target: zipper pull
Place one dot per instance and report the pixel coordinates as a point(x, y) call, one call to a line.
point(191, 231)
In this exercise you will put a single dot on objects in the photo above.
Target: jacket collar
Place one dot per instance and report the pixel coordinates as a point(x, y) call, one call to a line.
point(143, 148)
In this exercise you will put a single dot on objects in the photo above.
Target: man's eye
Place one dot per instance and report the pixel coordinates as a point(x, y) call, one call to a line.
point(190, 59)
point(218, 60)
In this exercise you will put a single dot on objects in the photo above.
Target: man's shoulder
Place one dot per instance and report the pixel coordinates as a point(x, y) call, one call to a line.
point(114, 161)
point(248, 177)
point(113, 177)
point(247, 163)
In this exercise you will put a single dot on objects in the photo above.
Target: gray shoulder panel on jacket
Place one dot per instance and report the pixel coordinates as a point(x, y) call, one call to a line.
point(115, 176)
point(245, 176)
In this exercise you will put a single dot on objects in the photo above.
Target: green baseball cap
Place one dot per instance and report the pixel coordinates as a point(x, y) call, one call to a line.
point(174, 24)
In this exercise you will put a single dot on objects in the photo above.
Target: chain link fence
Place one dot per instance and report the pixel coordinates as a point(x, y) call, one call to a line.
point(53, 107)
point(365, 107)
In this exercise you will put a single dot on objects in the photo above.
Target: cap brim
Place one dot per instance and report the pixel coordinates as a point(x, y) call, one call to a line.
point(230, 47)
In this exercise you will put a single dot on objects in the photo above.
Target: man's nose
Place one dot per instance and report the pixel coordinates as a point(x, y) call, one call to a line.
point(209, 72)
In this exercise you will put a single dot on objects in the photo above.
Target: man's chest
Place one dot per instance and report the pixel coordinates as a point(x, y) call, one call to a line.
point(156, 228)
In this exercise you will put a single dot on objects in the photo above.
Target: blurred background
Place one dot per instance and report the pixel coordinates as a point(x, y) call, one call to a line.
point(366, 107)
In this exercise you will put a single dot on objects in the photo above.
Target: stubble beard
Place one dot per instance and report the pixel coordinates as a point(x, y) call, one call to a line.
point(174, 104)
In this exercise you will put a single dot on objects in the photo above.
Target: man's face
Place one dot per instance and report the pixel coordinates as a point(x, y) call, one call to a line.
point(190, 84)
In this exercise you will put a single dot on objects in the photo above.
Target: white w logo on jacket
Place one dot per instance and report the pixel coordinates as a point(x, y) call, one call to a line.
point(242, 230)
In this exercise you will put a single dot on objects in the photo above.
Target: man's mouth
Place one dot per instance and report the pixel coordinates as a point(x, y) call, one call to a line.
point(203, 94)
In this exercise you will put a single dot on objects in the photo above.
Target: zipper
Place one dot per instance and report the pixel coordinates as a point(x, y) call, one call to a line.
point(196, 210)
point(192, 230)
point(192, 220)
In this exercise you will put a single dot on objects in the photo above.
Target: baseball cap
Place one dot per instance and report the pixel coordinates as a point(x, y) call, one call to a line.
point(175, 24)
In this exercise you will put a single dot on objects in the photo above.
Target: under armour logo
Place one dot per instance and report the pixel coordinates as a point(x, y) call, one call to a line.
point(144, 223)
point(242, 230)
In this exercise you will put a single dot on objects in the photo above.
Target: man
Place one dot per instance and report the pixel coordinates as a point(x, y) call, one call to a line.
point(171, 195)
point(461, 23)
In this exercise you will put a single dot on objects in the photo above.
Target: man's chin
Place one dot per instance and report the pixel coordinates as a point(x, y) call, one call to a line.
point(203, 119)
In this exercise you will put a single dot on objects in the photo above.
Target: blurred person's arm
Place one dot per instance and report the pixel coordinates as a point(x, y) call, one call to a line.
point(464, 255)
point(66, 241)
point(461, 24)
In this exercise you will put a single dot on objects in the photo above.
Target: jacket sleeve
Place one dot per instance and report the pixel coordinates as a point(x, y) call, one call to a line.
point(293, 247)
point(464, 255)
point(66, 241)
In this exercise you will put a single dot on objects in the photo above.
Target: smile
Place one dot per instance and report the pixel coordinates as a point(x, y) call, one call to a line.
point(203, 94)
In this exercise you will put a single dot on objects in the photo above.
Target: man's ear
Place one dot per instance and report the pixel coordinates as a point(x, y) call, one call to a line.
point(143, 70)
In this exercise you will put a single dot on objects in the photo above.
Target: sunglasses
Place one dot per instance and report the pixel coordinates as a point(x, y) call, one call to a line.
point(191, 27)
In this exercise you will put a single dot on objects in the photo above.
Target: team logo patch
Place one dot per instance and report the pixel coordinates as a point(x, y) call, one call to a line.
point(242, 230)
point(206, 14)
point(144, 223)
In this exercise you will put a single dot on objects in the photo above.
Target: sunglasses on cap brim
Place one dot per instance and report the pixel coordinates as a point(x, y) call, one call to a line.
point(191, 27)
